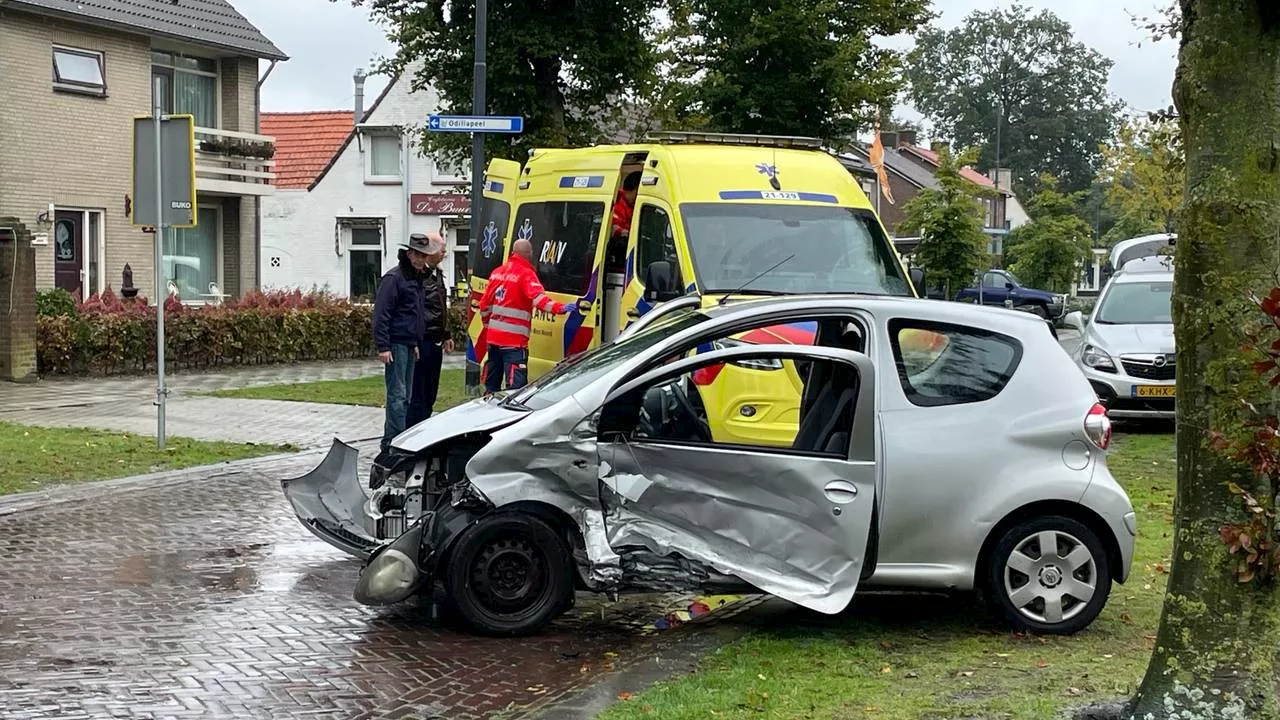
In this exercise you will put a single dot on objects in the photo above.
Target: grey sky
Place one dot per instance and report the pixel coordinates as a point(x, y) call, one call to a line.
point(335, 39)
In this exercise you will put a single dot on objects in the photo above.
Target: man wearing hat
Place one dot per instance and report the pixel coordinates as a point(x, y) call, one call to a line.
point(399, 325)
point(436, 341)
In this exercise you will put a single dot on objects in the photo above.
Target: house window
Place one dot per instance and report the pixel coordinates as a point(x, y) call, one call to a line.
point(188, 86)
point(364, 252)
point(384, 157)
point(448, 172)
point(191, 256)
point(461, 245)
point(81, 71)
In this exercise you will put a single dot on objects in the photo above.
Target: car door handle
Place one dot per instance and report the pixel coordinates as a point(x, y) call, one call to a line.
point(841, 492)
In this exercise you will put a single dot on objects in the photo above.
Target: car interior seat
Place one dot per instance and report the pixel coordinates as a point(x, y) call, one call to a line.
point(827, 421)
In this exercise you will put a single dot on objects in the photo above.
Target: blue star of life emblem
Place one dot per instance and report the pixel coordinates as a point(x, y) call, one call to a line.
point(500, 293)
point(489, 246)
point(769, 171)
point(526, 230)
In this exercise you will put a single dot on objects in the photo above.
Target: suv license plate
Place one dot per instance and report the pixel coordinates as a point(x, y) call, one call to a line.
point(1154, 391)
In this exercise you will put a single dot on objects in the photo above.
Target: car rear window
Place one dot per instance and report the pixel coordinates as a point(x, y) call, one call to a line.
point(941, 364)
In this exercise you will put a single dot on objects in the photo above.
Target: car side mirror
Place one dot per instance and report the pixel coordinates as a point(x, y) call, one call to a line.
point(619, 416)
point(660, 282)
point(1008, 286)
point(917, 281)
point(1074, 321)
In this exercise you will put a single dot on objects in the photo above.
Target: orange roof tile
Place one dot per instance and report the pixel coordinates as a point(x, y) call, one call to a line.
point(966, 172)
point(305, 143)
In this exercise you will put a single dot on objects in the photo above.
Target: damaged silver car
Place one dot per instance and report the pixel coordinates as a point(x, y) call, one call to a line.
point(936, 446)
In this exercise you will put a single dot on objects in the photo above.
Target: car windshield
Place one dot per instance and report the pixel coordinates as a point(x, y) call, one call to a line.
point(1137, 303)
point(578, 372)
point(835, 249)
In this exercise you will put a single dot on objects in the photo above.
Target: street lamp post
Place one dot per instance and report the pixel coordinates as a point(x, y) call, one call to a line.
point(478, 102)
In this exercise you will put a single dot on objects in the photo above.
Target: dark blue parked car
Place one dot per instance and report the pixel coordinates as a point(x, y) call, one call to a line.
point(1001, 287)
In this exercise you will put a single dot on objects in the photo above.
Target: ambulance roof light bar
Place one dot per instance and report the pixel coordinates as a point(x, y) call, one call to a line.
point(705, 138)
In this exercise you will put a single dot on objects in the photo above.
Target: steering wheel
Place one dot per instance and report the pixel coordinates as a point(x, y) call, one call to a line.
point(701, 431)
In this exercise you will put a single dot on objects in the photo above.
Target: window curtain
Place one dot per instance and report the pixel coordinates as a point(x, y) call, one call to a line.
point(384, 158)
point(191, 257)
point(197, 95)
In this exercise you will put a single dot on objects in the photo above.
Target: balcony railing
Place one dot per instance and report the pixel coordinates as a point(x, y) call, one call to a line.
point(234, 163)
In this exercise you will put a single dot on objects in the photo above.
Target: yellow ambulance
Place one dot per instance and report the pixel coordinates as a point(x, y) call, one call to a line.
point(713, 214)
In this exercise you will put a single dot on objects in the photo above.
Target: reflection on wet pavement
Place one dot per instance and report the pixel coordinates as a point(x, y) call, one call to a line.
point(208, 599)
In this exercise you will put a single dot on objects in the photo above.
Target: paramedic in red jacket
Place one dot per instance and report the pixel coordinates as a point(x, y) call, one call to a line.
point(507, 312)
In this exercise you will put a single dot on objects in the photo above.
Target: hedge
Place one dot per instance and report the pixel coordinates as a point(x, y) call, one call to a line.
point(106, 335)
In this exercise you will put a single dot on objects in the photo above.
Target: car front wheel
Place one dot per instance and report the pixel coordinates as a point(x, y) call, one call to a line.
point(1049, 575)
point(509, 575)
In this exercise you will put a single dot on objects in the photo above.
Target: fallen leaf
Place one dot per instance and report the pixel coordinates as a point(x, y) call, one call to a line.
point(624, 696)
point(759, 675)
point(886, 645)
point(886, 669)
point(965, 673)
point(1002, 655)
point(913, 675)
point(1042, 664)
point(1074, 691)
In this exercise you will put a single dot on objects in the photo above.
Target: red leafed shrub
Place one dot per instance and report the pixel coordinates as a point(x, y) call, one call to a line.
point(108, 335)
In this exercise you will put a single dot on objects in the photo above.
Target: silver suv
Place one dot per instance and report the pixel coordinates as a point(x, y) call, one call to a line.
point(1127, 348)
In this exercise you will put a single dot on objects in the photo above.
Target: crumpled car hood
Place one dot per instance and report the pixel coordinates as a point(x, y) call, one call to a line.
point(479, 415)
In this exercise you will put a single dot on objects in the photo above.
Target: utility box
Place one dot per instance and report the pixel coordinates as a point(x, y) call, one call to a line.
point(17, 302)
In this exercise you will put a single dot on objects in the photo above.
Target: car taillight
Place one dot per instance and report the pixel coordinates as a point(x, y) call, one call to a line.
point(1098, 426)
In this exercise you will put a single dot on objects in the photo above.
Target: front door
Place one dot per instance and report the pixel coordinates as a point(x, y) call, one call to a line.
point(68, 246)
point(792, 521)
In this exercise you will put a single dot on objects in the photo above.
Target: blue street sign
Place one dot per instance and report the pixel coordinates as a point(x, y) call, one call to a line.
point(476, 124)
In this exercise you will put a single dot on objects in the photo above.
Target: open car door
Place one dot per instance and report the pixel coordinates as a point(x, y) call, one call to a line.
point(793, 522)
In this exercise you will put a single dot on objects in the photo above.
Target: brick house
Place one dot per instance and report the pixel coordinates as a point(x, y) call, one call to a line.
point(911, 168)
point(75, 75)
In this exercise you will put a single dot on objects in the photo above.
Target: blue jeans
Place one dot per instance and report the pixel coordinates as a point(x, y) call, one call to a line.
point(506, 364)
point(398, 375)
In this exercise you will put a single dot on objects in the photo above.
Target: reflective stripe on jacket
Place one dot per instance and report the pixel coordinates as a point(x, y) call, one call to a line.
point(509, 300)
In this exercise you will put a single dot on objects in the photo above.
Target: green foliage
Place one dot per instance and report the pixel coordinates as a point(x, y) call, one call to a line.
point(1145, 172)
point(458, 323)
point(948, 219)
point(1027, 73)
point(789, 67)
point(571, 68)
point(1047, 252)
point(107, 336)
point(55, 303)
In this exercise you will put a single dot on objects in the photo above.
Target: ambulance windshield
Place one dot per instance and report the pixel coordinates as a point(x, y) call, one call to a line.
point(836, 249)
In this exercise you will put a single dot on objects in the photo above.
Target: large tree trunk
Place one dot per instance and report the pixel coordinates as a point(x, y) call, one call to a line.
point(1217, 635)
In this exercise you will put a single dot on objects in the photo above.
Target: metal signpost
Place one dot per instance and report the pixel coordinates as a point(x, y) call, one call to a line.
point(164, 197)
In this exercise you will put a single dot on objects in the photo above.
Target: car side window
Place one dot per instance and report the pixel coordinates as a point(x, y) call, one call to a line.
point(993, 280)
point(940, 364)
point(693, 408)
point(656, 243)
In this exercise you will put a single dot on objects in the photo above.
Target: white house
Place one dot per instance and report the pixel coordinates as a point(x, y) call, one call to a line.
point(347, 194)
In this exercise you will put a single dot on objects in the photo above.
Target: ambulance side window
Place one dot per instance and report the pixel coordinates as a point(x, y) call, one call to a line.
point(491, 236)
point(657, 243)
point(564, 235)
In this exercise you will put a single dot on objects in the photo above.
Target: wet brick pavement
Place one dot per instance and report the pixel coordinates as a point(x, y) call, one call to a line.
point(206, 598)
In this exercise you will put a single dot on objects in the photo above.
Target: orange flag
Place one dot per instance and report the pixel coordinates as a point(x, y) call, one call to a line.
point(876, 157)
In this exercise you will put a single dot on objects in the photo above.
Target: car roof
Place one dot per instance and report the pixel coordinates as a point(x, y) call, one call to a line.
point(884, 307)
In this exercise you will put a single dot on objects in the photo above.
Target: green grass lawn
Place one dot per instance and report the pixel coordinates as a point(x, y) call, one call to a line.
point(35, 458)
point(929, 659)
point(369, 391)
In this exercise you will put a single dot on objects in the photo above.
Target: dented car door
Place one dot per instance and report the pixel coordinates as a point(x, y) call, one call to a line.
point(793, 522)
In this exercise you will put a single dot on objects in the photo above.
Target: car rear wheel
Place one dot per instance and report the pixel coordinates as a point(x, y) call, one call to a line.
point(1049, 576)
point(509, 575)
